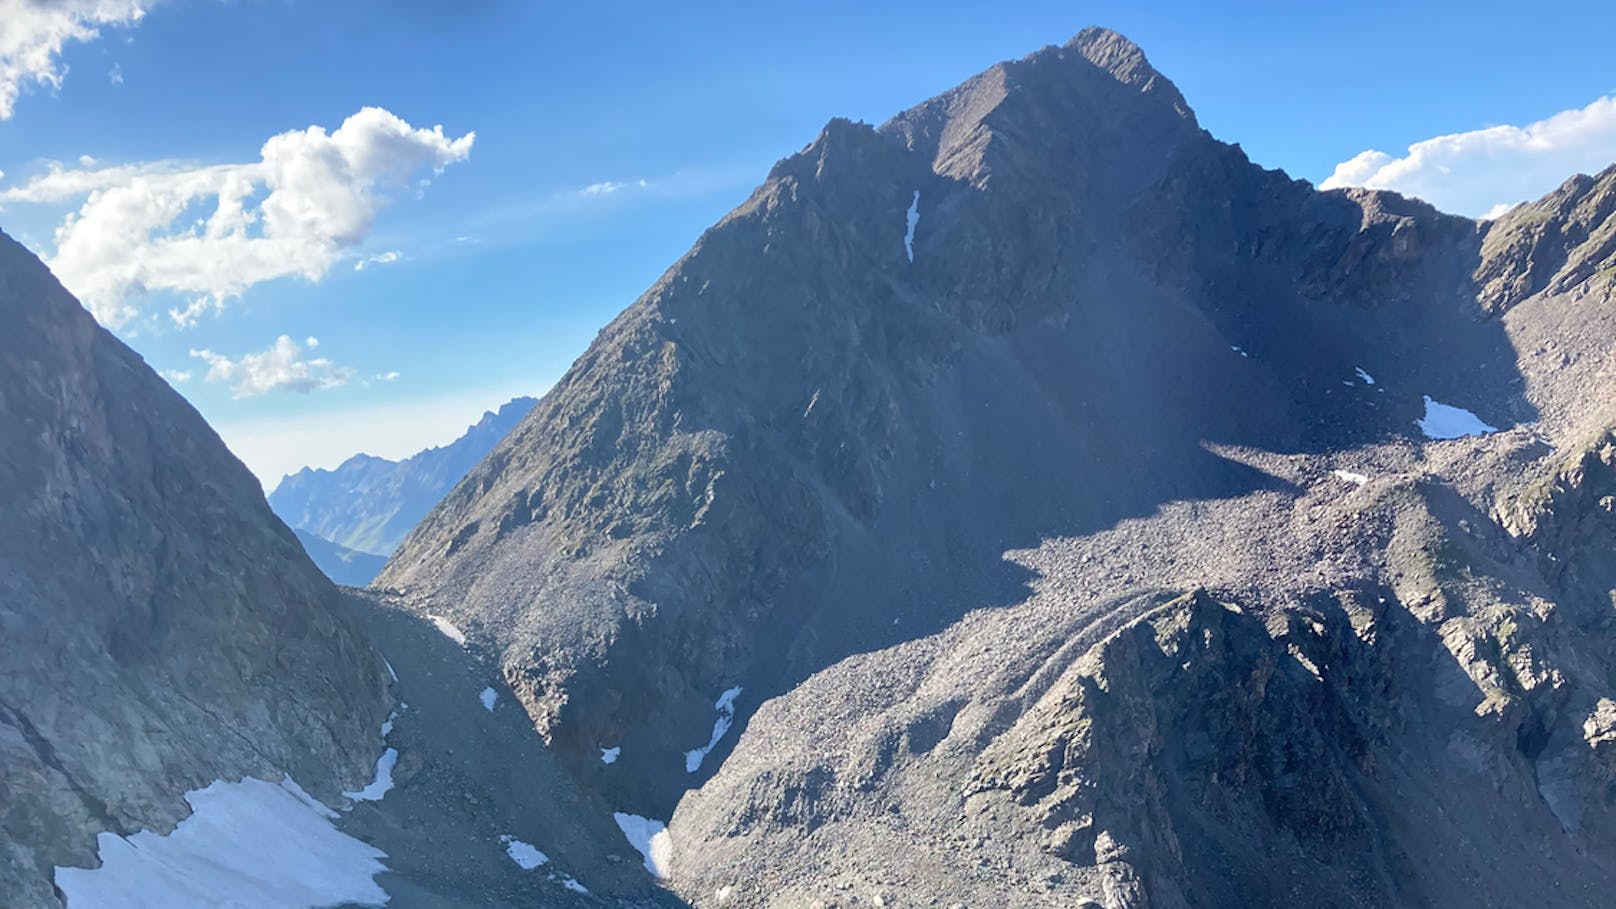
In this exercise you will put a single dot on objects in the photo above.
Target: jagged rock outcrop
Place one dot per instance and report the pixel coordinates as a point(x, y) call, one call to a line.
point(367, 504)
point(162, 630)
point(1552, 245)
point(1047, 475)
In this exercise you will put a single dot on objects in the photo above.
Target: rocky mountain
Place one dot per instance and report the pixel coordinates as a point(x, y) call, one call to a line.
point(192, 716)
point(162, 631)
point(367, 504)
point(339, 563)
point(1031, 501)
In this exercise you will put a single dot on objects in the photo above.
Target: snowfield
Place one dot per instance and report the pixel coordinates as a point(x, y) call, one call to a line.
point(652, 841)
point(246, 845)
point(525, 855)
point(1444, 421)
point(911, 221)
point(449, 629)
point(725, 705)
point(383, 783)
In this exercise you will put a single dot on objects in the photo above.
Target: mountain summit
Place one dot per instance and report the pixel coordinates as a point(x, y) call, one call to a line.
point(1062, 505)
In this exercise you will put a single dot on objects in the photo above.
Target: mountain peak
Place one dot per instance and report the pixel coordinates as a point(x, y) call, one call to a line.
point(1115, 54)
point(1095, 96)
point(512, 410)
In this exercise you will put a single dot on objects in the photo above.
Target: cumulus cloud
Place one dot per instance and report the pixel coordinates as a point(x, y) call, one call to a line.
point(177, 376)
point(1484, 172)
point(282, 367)
point(33, 32)
point(211, 232)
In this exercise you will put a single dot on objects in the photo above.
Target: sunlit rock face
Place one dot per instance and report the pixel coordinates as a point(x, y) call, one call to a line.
point(1064, 495)
point(162, 629)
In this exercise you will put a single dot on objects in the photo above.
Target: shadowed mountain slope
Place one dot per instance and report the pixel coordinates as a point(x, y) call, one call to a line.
point(162, 630)
point(1047, 477)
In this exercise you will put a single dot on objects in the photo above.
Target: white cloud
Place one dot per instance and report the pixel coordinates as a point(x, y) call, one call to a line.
point(1485, 171)
point(386, 376)
point(386, 258)
point(33, 32)
point(280, 367)
point(58, 184)
point(608, 187)
point(185, 318)
point(211, 232)
point(115, 75)
point(177, 376)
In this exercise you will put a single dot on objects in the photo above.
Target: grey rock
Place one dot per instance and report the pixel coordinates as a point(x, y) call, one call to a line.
point(162, 630)
point(1029, 554)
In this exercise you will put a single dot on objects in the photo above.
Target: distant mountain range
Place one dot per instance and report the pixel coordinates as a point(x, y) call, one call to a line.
point(352, 518)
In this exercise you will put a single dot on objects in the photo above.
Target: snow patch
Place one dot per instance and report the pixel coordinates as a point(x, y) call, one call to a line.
point(725, 705)
point(449, 629)
point(246, 845)
point(523, 854)
point(387, 725)
point(1444, 421)
point(383, 783)
point(651, 840)
point(1356, 479)
point(571, 883)
point(1365, 377)
point(488, 697)
point(390, 673)
point(610, 755)
point(911, 219)
point(1239, 350)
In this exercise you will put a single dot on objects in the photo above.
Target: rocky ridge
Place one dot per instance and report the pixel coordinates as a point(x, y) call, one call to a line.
point(162, 629)
point(1076, 540)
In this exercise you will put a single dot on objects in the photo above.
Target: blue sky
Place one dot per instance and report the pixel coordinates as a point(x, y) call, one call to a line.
point(488, 280)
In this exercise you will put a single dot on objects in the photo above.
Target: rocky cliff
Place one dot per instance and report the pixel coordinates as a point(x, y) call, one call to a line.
point(162, 630)
point(1086, 515)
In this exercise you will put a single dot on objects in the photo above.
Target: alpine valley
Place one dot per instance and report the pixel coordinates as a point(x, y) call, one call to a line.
point(1028, 501)
point(351, 518)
